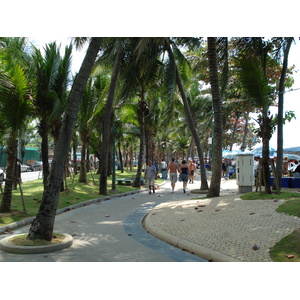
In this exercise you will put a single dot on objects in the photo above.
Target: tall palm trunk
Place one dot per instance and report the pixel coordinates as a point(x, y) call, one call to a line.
point(75, 143)
point(279, 158)
point(11, 151)
point(141, 115)
point(214, 189)
point(43, 131)
point(42, 225)
point(83, 166)
point(265, 126)
point(107, 124)
point(246, 129)
point(191, 123)
point(232, 139)
point(120, 157)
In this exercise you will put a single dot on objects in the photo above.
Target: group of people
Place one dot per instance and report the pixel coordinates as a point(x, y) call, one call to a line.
point(290, 165)
point(186, 173)
point(226, 164)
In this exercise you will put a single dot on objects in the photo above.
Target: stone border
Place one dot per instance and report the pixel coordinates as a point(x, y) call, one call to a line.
point(181, 243)
point(24, 222)
point(6, 246)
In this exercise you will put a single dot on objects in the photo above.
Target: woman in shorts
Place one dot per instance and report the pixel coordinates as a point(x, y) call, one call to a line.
point(184, 171)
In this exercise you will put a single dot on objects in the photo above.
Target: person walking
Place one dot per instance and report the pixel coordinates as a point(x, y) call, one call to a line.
point(285, 167)
point(163, 166)
point(224, 166)
point(184, 169)
point(192, 168)
point(297, 171)
point(150, 173)
point(173, 169)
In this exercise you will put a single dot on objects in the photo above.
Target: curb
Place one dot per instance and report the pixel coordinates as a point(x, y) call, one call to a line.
point(183, 244)
point(27, 221)
point(6, 246)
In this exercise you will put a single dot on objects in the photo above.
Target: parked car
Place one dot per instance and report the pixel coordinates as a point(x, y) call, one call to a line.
point(37, 166)
point(25, 168)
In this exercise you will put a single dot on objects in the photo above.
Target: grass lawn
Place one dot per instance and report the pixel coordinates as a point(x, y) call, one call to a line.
point(288, 249)
point(76, 193)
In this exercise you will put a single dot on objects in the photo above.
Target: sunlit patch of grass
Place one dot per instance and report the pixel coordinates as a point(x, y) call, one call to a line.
point(287, 249)
point(283, 195)
point(291, 205)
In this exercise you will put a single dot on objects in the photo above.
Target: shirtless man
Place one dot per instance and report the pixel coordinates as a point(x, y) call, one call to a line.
point(192, 168)
point(173, 169)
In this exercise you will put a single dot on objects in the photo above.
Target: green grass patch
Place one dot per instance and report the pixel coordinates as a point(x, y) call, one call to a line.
point(76, 193)
point(21, 240)
point(290, 207)
point(284, 195)
point(288, 249)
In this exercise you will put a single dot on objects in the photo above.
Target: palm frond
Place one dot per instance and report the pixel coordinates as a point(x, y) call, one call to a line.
point(52, 79)
point(15, 105)
point(170, 80)
point(128, 113)
point(79, 42)
point(255, 83)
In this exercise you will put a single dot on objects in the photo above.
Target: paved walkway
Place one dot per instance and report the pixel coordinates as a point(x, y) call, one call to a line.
point(225, 228)
point(220, 229)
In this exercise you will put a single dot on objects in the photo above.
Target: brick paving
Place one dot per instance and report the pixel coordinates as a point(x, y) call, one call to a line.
point(225, 225)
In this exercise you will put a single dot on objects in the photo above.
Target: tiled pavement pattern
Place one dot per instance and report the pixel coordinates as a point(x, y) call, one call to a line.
point(224, 228)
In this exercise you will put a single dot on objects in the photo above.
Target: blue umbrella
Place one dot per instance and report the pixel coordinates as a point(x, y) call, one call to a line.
point(258, 152)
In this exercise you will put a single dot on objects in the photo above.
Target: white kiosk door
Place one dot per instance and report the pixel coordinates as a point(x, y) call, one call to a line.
point(245, 172)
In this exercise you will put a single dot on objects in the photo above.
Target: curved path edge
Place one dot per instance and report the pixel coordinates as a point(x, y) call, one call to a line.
point(27, 221)
point(183, 244)
point(7, 246)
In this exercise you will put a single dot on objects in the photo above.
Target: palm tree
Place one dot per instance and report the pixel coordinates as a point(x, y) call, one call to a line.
point(52, 80)
point(15, 109)
point(255, 82)
point(181, 142)
point(189, 117)
point(140, 72)
point(214, 189)
point(86, 112)
point(130, 130)
point(108, 116)
point(142, 112)
point(285, 45)
point(42, 225)
point(100, 87)
point(152, 121)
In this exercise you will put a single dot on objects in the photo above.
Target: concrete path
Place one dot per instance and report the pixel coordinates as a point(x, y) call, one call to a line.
point(221, 229)
point(110, 231)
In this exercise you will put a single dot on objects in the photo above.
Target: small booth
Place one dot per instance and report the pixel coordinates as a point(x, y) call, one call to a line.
point(245, 172)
